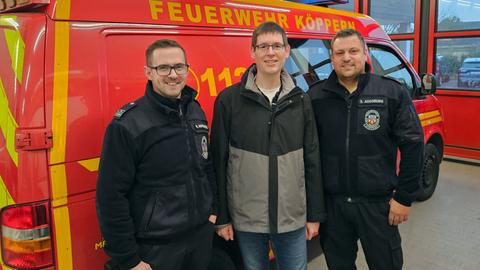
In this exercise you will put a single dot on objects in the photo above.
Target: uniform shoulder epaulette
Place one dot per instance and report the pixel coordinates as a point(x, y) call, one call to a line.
point(392, 79)
point(125, 108)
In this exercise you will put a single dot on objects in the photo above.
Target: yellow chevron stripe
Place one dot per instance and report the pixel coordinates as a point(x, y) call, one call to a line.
point(431, 121)
point(430, 114)
point(63, 238)
point(90, 164)
point(8, 125)
point(5, 198)
point(15, 44)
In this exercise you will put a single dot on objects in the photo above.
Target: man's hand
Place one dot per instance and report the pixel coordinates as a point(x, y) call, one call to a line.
point(142, 266)
point(212, 219)
point(398, 213)
point(226, 232)
point(312, 230)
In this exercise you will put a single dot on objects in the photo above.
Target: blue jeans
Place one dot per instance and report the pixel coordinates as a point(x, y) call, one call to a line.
point(290, 249)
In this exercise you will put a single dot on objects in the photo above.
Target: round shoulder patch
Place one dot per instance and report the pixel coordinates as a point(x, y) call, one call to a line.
point(372, 120)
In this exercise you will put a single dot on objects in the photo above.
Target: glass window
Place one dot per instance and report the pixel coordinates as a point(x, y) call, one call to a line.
point(348, 6)
point(386, 63)
point(395, 17)
point(406, 46)
point(457, 63)
point(309, 61)
point(458, 15)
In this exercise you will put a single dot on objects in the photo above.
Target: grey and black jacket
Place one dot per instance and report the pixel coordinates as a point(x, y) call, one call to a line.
point(155, 180)
point(360, 134)
point(266, 158)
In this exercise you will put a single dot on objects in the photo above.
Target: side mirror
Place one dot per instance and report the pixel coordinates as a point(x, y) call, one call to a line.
point(429, 84)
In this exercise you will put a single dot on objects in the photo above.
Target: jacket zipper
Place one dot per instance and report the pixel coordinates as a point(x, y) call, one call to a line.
point(189, 149)
point(347, 145)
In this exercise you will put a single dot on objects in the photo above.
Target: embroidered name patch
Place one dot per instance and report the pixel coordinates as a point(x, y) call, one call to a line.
point(201, 126)
point(368, 101)
point(372, 120)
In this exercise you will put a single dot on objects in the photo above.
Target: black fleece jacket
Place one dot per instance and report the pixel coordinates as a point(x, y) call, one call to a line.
point(360, 134)
point(155, 179)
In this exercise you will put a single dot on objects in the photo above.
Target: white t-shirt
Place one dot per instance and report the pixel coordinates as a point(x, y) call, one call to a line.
point(269, 93)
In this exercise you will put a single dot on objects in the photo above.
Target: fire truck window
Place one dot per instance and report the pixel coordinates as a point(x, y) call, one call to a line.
point(457, 63)
point(386, 63)
point(406, 46)
point(309, 61)
point(395, 17)
point(458, 15)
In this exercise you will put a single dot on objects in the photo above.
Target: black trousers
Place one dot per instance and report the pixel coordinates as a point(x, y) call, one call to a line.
point(185, 252)
point(350, 219)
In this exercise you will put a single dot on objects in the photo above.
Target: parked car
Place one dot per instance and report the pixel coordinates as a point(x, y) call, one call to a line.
point(469, 72)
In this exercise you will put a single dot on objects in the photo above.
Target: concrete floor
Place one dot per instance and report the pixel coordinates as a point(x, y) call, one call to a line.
point(442, 233)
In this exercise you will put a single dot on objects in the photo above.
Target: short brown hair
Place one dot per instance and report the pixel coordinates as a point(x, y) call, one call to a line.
point(162, 43)
point(268, 27)
point(347, 33)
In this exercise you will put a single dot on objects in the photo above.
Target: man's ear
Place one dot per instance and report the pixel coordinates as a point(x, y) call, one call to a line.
point(148, 72)
point(287, 50)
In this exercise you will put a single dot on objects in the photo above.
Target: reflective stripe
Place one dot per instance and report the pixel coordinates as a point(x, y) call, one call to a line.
point(431, 121)
point(26, 234)
point(61, 215)
point(63, 240)
point(8, 125)
point(62, 10)
point(60, 92)
point(15, 43)
point(90, 164)
point(426, 115)
point(59, 185)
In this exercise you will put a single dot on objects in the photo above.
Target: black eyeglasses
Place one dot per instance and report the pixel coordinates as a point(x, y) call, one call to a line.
point(162, 70)
point(275, 46)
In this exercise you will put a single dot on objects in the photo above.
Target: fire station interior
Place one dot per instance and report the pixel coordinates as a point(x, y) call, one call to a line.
point(440, 37)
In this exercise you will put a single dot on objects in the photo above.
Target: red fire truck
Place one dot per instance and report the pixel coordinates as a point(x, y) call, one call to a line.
point(68, 65)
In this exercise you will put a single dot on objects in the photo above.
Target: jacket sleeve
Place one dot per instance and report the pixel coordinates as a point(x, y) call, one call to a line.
point(213, 184)
point(115, 177)
point(313, 175)
point(219, 145)
point(408, 134)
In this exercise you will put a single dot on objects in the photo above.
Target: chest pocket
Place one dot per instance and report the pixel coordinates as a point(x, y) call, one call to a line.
point(200, 131)
point(372, 117)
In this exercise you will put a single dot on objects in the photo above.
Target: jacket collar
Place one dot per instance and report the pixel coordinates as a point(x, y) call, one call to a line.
point(248, 81)
point(333, 85)
point(168, 105)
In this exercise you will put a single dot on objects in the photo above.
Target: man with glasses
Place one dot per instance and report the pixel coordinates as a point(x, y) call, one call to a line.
point(156, 187)
point(266, 159)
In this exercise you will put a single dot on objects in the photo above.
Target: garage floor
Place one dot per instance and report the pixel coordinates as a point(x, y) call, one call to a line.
point(443, 233)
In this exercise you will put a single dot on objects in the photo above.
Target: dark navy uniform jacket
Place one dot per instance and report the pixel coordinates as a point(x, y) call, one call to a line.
point(155, 178)
point(359, 136)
